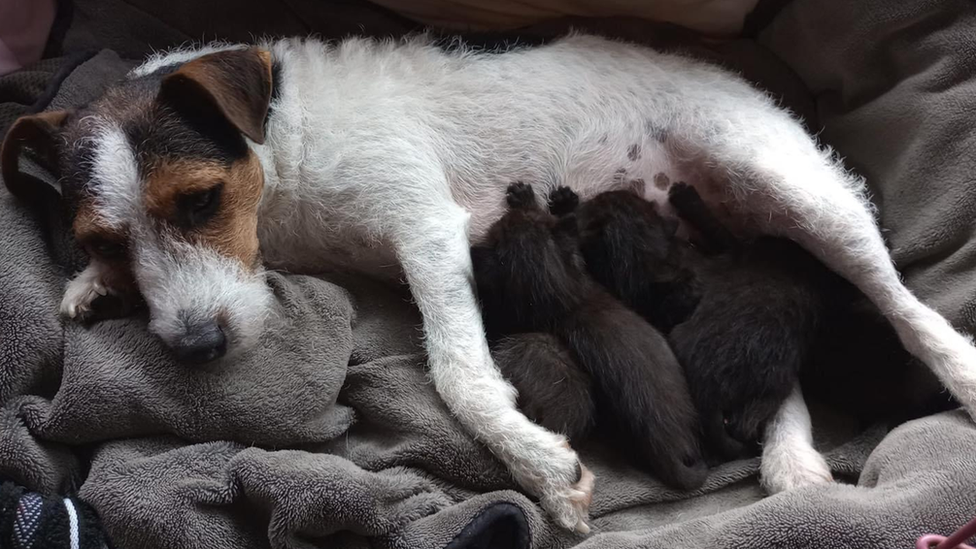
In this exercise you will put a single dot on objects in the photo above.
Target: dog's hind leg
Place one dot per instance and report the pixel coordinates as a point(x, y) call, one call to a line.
point(433, 249)
point(778, 180)
point(789, 459)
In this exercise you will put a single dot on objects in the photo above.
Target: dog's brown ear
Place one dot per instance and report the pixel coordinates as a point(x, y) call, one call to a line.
point(235, 82)
point(38, 132)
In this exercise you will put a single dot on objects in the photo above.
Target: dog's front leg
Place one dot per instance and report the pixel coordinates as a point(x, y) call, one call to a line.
point(435, 255)
point(789, 459)
point(99, 291)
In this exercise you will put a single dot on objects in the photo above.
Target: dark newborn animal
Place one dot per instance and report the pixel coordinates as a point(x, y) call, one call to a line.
point(860, 367)
point(531, 279)
point(553, 390)
point(744, 320)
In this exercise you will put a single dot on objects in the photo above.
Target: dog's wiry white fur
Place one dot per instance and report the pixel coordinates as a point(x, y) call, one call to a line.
point(119, 196)
point(180, 55)
point(789, 459)
point(396, 153)
point(185, 285)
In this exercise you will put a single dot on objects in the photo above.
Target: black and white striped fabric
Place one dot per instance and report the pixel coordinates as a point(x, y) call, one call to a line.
point(29, 520)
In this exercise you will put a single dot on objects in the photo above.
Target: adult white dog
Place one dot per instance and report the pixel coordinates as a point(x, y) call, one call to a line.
point(206, 165)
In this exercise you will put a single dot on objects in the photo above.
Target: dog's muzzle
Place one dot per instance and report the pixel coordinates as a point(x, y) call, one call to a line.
point(203, 342)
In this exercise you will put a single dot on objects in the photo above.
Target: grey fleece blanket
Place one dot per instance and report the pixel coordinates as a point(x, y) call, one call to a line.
point(330, 435)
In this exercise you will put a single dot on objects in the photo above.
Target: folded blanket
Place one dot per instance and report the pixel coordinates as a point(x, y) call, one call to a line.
point(24, 28)
point(330, 435)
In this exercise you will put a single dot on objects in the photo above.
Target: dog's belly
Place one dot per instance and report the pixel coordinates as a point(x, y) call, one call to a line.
point(641, 165)
point(299, 242)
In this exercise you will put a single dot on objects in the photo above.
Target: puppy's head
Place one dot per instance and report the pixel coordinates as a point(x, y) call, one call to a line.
point(620, 232)
point(165, 192)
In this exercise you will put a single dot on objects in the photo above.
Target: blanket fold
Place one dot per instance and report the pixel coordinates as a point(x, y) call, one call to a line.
point(230, 495)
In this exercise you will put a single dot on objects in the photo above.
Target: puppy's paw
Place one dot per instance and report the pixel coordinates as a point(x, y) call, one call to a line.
point(520, 195)
point(563, 485)
point(685, 198)
point(788, 466)
point(562, 200)
point(81, 293)
point(679, 188)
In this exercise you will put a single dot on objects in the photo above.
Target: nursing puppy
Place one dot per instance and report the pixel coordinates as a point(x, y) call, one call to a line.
point(531, 278)
point(744, 319)
point(633, 251)
point(763, 303)
point(859, 367)
point(205, 166)
point(553, 390)
point(845, 352)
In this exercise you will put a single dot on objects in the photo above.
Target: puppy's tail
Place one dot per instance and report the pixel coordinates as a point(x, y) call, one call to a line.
point(641, 388)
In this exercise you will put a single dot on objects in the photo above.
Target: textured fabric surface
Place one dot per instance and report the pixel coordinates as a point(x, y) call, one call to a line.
point(895, 86)
point(330, 435)
point(718, 17)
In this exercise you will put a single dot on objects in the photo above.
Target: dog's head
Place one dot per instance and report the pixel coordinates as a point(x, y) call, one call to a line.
point(165, 189)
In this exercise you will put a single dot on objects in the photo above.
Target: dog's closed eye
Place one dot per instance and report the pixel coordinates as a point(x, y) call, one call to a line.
point(196, 208)
point(104, 248)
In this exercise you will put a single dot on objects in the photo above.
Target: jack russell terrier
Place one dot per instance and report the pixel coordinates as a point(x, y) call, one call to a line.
point(205, 166)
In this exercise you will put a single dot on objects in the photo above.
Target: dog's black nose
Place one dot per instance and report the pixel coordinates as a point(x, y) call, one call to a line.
point(202, 343)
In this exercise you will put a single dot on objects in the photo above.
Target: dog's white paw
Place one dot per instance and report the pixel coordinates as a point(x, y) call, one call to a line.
point(569, 504)
point(563, 485)
point(787, 466)
point(81, 292)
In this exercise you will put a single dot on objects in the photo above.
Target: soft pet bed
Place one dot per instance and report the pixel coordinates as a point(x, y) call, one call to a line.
point(331, 436)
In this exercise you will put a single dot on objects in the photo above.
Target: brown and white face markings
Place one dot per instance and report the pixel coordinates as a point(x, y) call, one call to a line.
point(166, 194)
